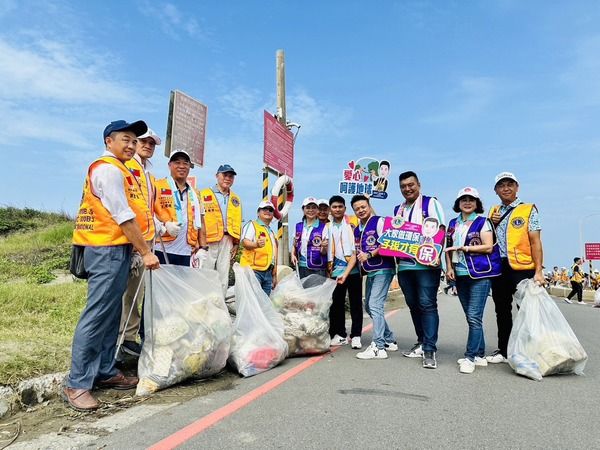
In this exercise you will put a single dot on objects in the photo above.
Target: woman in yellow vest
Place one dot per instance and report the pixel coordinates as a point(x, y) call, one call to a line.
point(223, 220)
point(260, 247)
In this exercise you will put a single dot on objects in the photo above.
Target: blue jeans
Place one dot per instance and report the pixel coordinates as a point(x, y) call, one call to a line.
point(96, 333)
point(265, 279)
point(420, 292)
point(375, 297)
point(473, 295)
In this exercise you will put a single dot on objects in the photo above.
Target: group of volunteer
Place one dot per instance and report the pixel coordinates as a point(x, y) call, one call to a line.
point(129, 222)
point(482, 253)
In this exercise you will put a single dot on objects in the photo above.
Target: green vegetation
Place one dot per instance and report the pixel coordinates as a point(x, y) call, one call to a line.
point(37, 320)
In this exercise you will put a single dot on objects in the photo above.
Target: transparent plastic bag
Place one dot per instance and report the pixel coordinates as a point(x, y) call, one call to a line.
point(597, 297)
point(257, 343)
point(304, 306)
point(542, 342)
point(186, 325)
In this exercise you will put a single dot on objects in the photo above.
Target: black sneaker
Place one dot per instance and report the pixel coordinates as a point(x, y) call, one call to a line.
point(429, 361)
point(131, 348)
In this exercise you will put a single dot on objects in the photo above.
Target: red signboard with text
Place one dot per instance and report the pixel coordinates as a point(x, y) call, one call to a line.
point(592, 251)
point(279, 146)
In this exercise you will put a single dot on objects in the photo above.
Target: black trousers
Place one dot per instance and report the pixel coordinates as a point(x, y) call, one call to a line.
point(576, 288)
point(503, 288)
point(337, 313)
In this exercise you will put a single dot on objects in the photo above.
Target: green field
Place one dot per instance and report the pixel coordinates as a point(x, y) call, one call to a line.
point(38, 319)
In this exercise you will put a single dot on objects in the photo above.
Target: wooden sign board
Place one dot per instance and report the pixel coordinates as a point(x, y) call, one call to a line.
point(186, 127)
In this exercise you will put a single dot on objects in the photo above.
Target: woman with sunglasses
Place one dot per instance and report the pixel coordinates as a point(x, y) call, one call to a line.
point(472, 259)
point(309, 252)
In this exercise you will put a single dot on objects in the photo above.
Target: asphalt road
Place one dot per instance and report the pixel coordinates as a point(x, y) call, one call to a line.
point(341, 402)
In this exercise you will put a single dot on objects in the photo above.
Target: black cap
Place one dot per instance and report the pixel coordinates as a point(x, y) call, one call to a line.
point(138, 128)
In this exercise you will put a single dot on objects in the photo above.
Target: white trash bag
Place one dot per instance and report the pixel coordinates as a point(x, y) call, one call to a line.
point(257, 343)
point(304, 305)
point(186, 325)
point(542, 342)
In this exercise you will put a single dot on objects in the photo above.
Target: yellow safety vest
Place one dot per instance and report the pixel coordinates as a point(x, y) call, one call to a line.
point(164, 206)
point(259, 258)
point(137, 170)
point(214, 220)
point(577, 277)
point(518, 246)
point(94, 225)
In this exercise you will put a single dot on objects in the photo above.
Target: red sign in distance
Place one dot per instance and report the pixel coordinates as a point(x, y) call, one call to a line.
point(279, 146)
point(592, 251)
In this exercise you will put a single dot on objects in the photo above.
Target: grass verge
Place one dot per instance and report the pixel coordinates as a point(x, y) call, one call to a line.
point(36, 328)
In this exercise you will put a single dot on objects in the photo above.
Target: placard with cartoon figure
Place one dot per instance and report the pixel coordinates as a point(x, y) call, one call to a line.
point(367, 176)
point(411, 240)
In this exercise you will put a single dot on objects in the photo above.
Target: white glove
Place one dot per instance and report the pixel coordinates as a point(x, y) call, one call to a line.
point(160, 228)
point(136, 263)
point(202, 255)
point(173, 228)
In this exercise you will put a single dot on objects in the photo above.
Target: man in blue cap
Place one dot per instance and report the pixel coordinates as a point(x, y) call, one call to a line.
point(113, 219)
point(223, 223)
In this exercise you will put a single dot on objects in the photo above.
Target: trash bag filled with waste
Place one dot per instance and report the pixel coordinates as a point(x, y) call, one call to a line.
point(186, 325)
point(541, 341)
point(304, 306)
point(257, 343)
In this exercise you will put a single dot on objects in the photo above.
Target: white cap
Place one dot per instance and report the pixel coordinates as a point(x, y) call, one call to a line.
point(470, 191)
point(322, 201)
point(151, 134)
point(309, 200)
point(505, 175)
point(265, 204)
point(181, 152)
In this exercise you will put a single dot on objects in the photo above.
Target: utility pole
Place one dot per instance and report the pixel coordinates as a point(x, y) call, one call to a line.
point(282, 226)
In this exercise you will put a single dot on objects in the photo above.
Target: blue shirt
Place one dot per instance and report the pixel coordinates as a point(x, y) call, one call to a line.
point(534, 225)
point(223, 200)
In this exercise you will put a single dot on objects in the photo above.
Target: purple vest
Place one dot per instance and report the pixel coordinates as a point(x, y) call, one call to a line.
point(478, 264)
point(314, 258)
point(366, 241)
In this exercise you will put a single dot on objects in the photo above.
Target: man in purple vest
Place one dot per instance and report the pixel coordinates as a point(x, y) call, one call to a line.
point(379, 271)
point(420, 283)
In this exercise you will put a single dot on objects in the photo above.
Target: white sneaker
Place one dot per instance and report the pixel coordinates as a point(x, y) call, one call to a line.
point(356, 342)
point(496, 358)
point(391, 346)
point(337, 340)
point(415, 352)
point(566, 300)
point(581, 303)
point(372, 352)
point(466, 366)
point(478, 361)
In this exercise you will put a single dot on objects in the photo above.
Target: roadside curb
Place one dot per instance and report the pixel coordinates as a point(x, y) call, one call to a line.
point(30, 393)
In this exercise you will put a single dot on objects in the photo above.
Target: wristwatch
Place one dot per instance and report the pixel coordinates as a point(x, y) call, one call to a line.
point(204, 247)
point(369, 255)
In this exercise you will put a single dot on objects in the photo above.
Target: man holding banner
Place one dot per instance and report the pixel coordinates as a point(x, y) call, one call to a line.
point(419, 276)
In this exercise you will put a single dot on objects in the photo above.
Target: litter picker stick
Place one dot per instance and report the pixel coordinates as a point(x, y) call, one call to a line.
point(133, 305)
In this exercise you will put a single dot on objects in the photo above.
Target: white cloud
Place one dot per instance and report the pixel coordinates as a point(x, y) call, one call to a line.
point(55, 71)
point(315, 117)
point(173, 22)
point(469, 100)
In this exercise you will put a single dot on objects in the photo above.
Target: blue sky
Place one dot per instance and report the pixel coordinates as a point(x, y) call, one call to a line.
point(455, 90)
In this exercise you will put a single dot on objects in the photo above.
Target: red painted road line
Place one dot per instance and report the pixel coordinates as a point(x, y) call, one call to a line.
point(200, 425)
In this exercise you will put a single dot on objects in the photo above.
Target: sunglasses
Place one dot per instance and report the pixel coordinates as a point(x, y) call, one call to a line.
point(271, 210)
